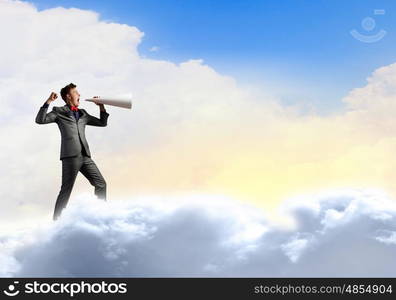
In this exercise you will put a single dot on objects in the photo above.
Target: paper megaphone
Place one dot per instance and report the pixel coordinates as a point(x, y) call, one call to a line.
point(119, 102)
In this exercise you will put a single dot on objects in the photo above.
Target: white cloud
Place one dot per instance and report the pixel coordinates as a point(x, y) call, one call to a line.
point(389, 237)
point(202, 236)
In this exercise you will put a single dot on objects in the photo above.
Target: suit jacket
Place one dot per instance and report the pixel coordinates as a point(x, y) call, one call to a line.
point(72, 130)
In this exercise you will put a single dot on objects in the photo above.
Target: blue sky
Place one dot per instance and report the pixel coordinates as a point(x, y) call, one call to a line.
point(301, 51)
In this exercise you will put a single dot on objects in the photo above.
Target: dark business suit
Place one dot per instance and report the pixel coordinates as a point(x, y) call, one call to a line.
point(75, 153)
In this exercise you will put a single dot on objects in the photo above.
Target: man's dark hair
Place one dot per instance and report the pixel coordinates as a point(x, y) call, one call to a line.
point(65, 90)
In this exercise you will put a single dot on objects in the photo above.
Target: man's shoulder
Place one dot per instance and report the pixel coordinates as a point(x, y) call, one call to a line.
point(58, 108)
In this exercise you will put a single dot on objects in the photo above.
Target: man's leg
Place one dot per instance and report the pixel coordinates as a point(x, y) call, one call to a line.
point(70, 167)
point(92, 173)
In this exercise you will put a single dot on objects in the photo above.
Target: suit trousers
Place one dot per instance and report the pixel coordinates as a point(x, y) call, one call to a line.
point(70, 168)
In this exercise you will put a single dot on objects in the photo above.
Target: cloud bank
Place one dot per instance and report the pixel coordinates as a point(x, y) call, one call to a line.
point(341, 234)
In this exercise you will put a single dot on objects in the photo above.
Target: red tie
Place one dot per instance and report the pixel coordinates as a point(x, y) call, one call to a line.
point(74, 108)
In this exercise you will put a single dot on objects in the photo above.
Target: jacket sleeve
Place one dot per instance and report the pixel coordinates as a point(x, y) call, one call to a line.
point(102, 122)
point(44, 118)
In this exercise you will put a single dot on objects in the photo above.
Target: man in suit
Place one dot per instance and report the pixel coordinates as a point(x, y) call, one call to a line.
point(74, 154)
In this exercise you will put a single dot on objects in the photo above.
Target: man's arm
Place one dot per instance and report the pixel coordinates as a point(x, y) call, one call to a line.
point(44, 118)
point(102, 122)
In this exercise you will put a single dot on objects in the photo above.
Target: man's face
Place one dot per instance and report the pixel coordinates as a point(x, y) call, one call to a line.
point(73, 97)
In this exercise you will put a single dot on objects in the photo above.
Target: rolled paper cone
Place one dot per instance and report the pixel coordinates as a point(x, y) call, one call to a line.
point(124, 103)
